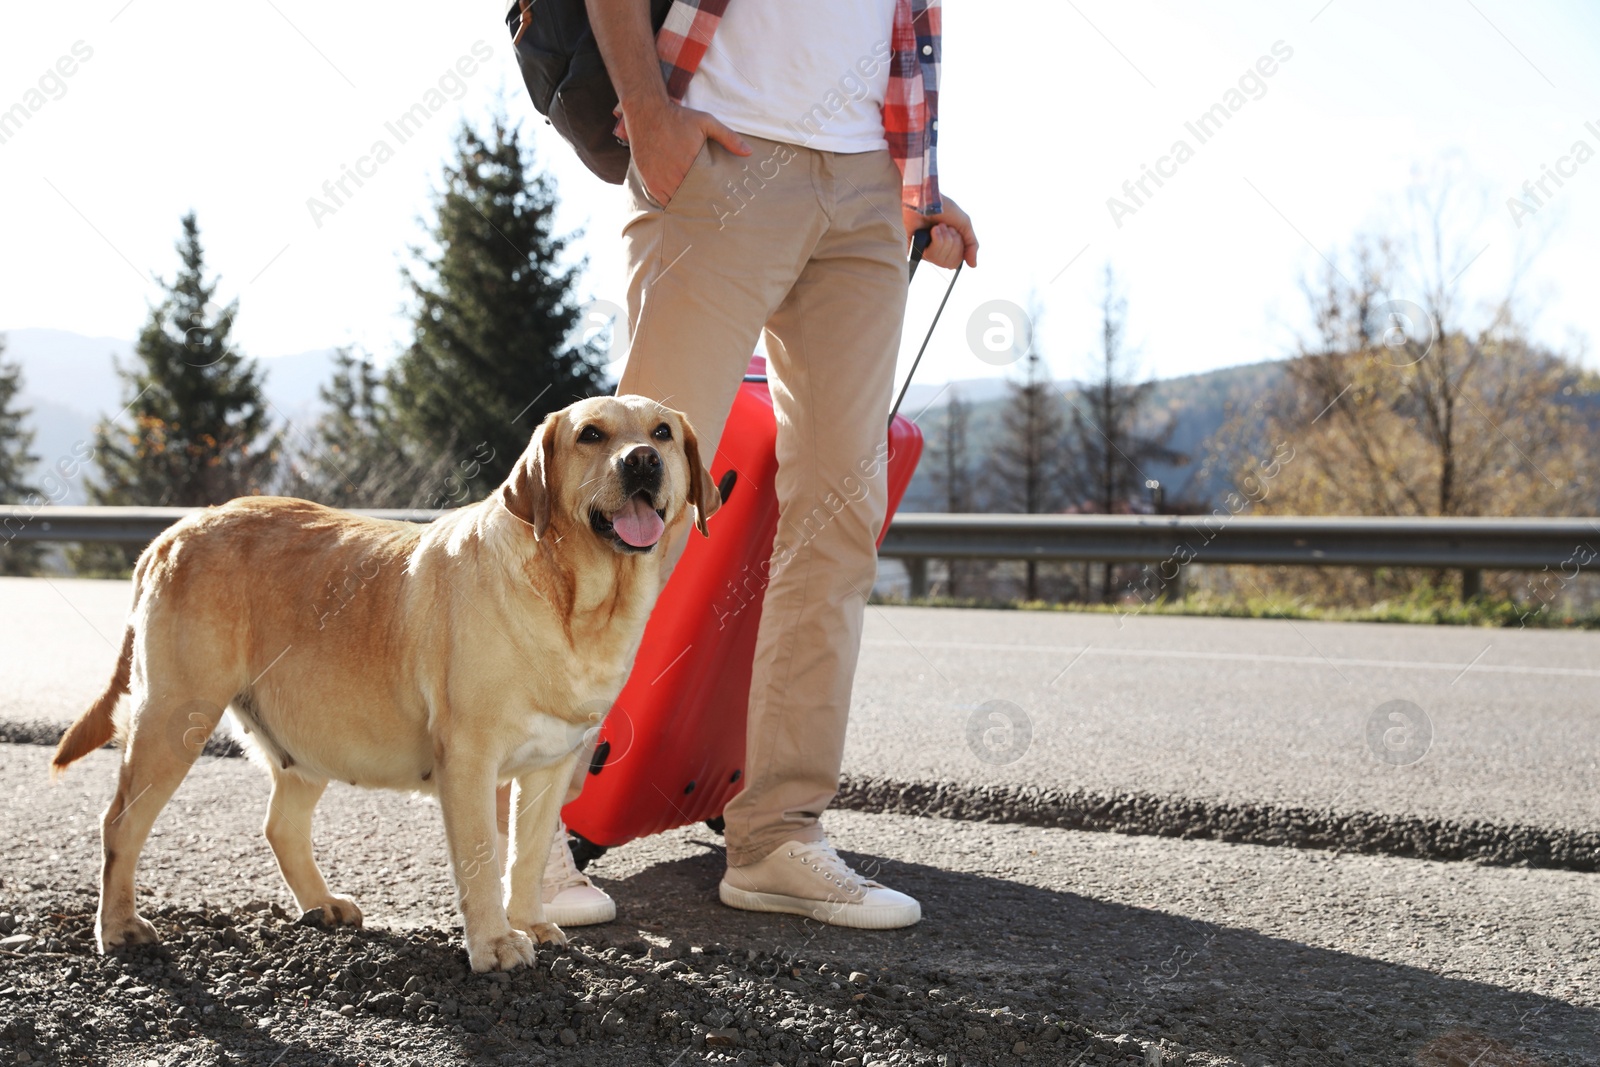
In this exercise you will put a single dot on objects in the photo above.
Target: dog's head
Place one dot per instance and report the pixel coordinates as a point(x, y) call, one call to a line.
point(621, 469)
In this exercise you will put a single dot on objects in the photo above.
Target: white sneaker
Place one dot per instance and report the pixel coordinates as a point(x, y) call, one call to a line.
point(809, 878)
point(570, 899)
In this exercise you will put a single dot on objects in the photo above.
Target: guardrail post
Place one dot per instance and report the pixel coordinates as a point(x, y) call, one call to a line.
point(917, 572)
point(1471, 583)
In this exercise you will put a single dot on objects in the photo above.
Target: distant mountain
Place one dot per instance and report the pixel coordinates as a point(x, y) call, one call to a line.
point(69, 382)
point(69, 369)
point(1199, 403)
point(972, 390)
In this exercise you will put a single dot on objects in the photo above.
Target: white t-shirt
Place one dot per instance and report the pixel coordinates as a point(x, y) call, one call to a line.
point(806, 72)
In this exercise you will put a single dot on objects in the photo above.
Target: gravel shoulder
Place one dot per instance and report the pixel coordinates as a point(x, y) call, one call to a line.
point(1038, 946)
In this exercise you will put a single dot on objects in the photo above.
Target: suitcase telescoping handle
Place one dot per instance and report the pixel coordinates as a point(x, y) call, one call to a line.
point(919, 245)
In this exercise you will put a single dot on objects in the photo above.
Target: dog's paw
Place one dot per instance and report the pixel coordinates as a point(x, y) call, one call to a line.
point(548, 934)
point(133, 930)
point(335, 911)
point(505, 952)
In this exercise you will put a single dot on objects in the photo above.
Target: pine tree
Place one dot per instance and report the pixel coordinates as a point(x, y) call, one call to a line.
point(197, 427)
point(950, 467)
point(345, 461)
point(352, 459)
point(1026, 465)
point(493, 310)
point(1106, 447)
point(352, 429)
point(951, 459)
point(16, 464)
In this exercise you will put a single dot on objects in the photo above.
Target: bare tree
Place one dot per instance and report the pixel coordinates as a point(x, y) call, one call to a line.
point(1416, 408)
point(1408, 400)
point(1107, 444)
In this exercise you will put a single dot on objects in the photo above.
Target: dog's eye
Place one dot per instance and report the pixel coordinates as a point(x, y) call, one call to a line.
point(590, 434)
point(663, 433)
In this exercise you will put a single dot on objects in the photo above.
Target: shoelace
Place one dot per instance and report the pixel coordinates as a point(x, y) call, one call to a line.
point(561, 864)
point(835, 870)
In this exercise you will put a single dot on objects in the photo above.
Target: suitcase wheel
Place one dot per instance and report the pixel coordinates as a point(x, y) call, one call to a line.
point(584, 851)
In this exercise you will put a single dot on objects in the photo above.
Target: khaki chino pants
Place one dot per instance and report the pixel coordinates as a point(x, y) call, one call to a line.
point(809, 248)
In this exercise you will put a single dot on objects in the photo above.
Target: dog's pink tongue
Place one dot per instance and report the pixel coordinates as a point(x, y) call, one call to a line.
point(637, 523)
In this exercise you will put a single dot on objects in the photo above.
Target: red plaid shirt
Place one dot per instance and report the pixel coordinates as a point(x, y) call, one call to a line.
point(910, 108)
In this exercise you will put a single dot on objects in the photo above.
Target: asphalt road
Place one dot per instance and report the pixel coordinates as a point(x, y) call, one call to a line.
point(1500, 725)
point(1246, 711)
point(1237, 954)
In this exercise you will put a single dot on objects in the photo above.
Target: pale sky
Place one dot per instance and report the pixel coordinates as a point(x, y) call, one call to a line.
point(242, 110)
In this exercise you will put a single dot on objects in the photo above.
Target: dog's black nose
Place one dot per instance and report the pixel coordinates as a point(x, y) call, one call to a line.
point(640, 469)
point(642, 461)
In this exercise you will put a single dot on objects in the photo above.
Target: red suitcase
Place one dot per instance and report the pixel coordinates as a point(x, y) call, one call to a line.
point(671, 751)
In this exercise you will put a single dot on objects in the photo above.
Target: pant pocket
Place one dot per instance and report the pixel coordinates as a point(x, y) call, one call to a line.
point(641, 196)
point(699, 169)
point(638, 197)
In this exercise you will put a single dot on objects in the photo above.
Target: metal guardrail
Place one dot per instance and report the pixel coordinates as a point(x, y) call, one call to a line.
point(1468, 545)
point(131, 526)
point(1500, 544)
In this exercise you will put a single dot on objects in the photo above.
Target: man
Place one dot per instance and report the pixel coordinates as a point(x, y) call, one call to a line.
point(778, 167)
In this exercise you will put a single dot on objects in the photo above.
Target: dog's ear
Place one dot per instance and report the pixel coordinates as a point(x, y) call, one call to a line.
point(529, 490)
point(703, 494)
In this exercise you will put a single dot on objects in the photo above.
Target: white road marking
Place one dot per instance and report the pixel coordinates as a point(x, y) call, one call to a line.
point(1248, 657)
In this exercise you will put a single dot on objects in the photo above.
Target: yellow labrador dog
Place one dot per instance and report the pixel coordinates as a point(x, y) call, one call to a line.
point(447, 658)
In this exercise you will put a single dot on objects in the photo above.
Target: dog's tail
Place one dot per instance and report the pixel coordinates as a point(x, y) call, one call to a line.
point(96, 726)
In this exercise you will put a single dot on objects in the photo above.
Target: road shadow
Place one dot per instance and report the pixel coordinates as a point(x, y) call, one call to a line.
point(1073, 978)
point(999, 972)
point(1145, 975)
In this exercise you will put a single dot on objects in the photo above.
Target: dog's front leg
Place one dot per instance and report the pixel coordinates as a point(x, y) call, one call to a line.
point(466, 798)
point(535, 805)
